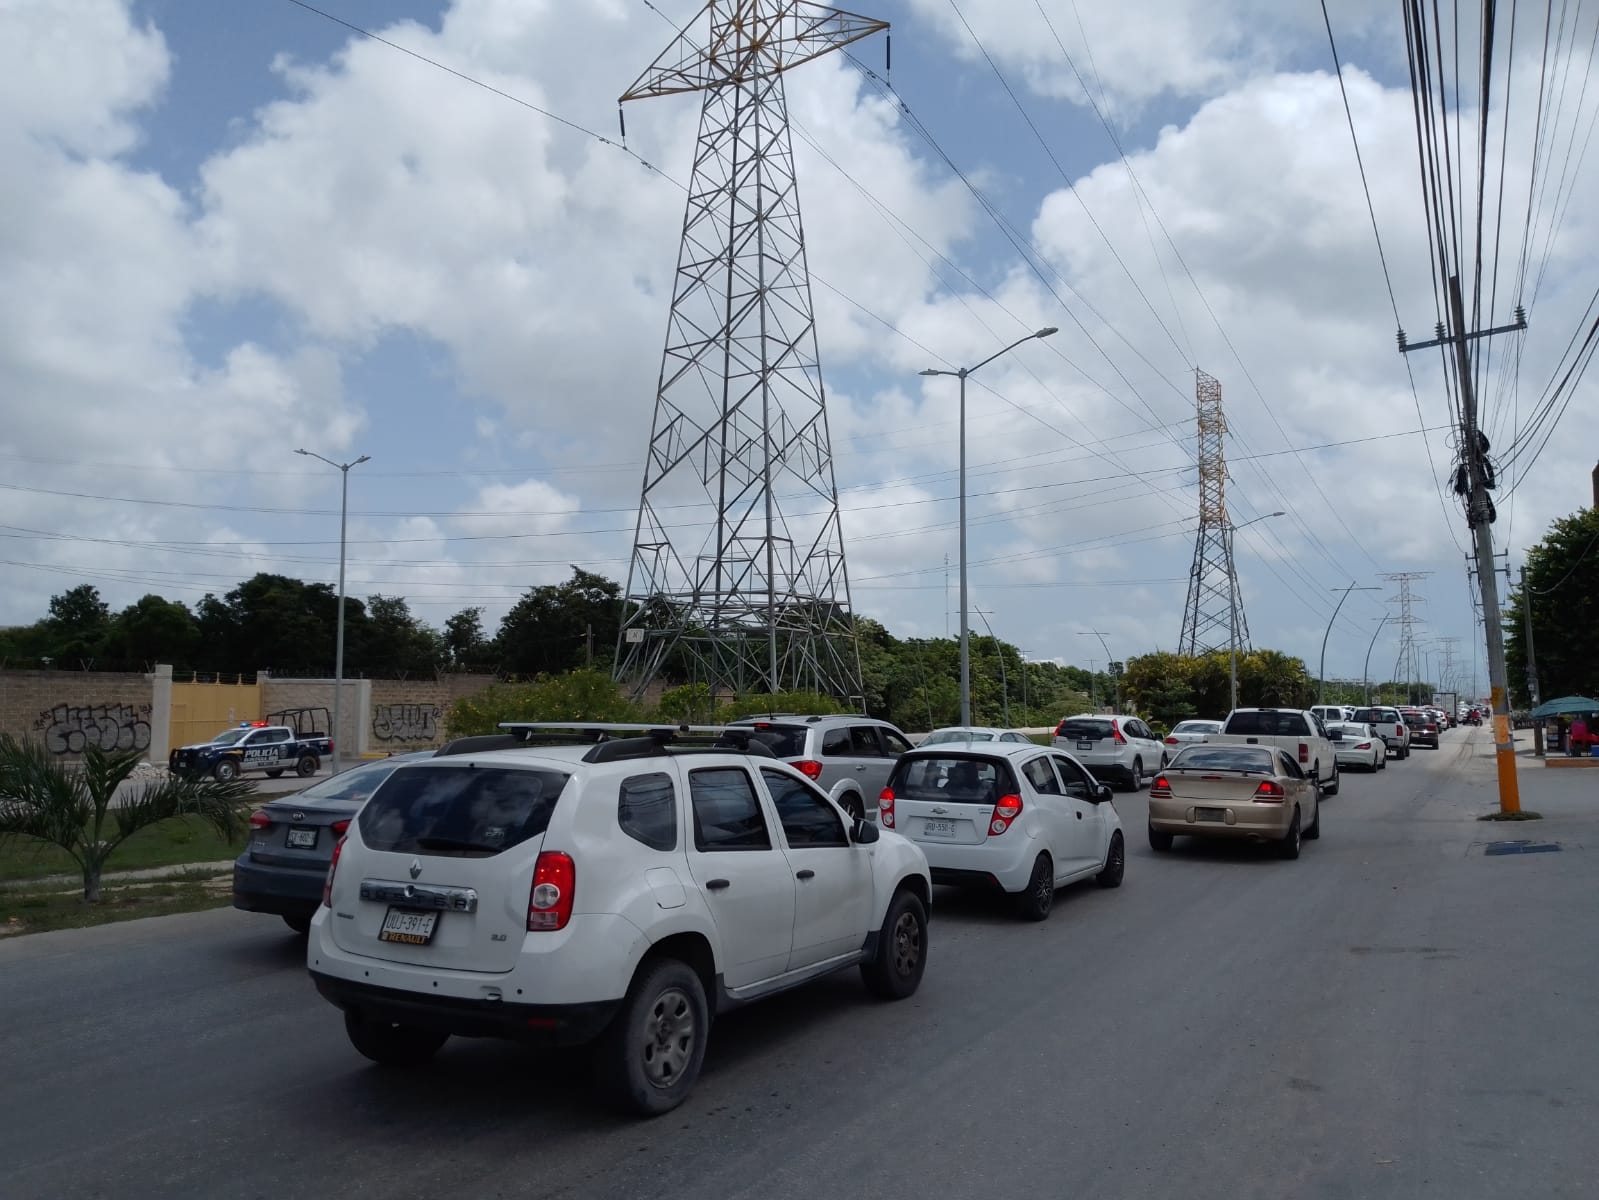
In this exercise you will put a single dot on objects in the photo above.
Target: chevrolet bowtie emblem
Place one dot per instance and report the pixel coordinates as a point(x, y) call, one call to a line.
point(416, 867)
point(940, 809)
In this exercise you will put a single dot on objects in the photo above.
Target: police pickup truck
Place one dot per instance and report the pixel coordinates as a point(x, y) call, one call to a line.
point(253, 746)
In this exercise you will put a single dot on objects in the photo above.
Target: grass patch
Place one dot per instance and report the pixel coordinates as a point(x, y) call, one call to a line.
point(1524, 815)
point(165, 844)
point(37, 912)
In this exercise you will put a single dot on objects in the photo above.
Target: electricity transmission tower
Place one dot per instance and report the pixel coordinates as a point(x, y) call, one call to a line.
point(1407, 666)
point(738, 568)
point(1213, 616)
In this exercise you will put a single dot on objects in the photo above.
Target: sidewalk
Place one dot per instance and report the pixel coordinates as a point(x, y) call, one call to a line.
point(1568, 799)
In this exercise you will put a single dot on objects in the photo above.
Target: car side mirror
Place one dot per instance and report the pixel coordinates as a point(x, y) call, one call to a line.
point(864, 833)
point(1102, 793)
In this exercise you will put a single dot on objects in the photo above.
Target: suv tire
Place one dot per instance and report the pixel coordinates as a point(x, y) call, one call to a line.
point(225, 771)
point(1135, 776)
point(895, 970)
point(306, 767)
point(649, 1059)
point(392, 1045)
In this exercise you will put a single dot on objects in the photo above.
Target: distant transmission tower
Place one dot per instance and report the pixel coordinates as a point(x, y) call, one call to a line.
point(1213, 602)
point(1407, 667)
point(738, 569)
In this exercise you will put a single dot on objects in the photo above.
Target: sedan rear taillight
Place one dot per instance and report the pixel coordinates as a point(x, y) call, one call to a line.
point(260, 820)
point(1160, 789)
point(341, 827)
point(1363, 746)
point(1270, 792)
point(549, 905)
point(885, 808)
point(1171, 739)
point(1006, 810)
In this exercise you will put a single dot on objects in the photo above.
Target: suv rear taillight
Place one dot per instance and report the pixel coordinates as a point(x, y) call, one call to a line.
point(808, 767)
point(1304, 753)
point(885, 808)
point(1270, 792)
point(259, 820)
point(549, 905)
point(1116, 732)
point(1006, 810)
point(333, 865)
point(1161, 788)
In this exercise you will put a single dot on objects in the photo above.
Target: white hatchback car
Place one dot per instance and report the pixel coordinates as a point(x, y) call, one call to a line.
point(1022, 817)
point(1115, 748)
point(619, 893)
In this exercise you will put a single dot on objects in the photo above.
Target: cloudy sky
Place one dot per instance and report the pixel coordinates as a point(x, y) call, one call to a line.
point(231, 230)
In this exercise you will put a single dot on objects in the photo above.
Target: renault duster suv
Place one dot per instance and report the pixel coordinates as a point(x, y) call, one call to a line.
point(617, 894)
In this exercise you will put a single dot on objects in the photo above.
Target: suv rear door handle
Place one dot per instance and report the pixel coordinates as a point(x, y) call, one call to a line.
point(807, 873)
point(717, 885)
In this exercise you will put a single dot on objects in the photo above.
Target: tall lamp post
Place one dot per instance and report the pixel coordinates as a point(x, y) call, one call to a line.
point(1232, 608)
point(338, 641)
point(1115, 680)
point(961, 374)
point(1321, 671)
point(1365, 670)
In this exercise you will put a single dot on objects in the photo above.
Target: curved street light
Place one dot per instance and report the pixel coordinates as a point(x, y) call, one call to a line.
point(1321, 671)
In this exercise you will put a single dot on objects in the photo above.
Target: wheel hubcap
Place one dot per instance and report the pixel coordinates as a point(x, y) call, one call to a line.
point(907, 944)
point(668, 1038)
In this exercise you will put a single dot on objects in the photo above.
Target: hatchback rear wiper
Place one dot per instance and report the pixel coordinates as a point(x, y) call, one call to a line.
point(444, 843)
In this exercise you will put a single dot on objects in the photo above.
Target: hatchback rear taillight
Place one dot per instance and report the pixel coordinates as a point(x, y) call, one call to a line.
point(1006, 810)
point(808, 767)
point(333, 865)
point(885, 808)
point(1160, 789)
point(259, 820)
point(1270, 792)
point(549, 905)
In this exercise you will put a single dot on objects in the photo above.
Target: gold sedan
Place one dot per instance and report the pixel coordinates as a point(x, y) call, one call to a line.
point(1217, 790)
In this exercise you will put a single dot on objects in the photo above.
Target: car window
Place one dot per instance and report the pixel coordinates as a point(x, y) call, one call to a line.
point(895, 744)
point(959, 779)
point(460, 811)
point(355, 784)
point(863, 742)
point(1266, 722)
point(727, 816)
point(646, 809)
point(807, 818)
point(1289, 766)
point(1012, 737)
point(1140, 730)
point(1210, 756)
point(1084, 729)
point(1042, 776)
point(1074, 778)
point(835, 741)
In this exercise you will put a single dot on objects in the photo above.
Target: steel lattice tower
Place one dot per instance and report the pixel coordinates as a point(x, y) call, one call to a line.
point(1213, 596)
point(1408, 660)
point(755, 599)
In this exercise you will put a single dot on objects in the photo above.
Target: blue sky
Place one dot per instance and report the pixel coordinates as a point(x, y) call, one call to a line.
point(242, 229)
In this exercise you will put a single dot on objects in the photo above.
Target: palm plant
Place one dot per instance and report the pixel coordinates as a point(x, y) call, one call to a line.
point(78, 810)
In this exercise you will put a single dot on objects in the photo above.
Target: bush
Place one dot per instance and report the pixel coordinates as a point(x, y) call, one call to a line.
point(576, 696)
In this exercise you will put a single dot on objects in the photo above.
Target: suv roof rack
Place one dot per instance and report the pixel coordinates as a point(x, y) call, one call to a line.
point(648, 741)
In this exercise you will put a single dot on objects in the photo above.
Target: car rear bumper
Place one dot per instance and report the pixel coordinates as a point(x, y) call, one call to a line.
point(1010, 865)
point(284, 891)
point(1263, 822)
point(545, 1024)
point(1424, 739)
point(1355, 758)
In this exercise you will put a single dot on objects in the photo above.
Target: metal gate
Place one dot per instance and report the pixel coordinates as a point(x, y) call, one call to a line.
point(200, 711)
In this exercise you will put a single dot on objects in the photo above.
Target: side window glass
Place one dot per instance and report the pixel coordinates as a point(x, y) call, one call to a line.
point(1145, 732)
point(863, 742)
point(280, 735)
point(646, 809)
point(1072, 776)
point(1290, 766)
point(807, 819)
point(896, 744)
point(835, 742)
point(727, 815)
point(1042, 776)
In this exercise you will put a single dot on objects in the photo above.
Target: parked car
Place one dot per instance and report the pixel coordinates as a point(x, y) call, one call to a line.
point(1357, 745)
point(1297, 731)
point(1390, 724)
point(1190, 731)
point(849, 757)
point(285, 862)
point(1024, 819)
point(1423, 727)
point(1116, 748)
point(974, 733)
point(1234, 790)
point(614, 895)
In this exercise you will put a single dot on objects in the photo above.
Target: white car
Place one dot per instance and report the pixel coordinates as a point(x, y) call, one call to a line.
point(1358, 745)
point(619, 893)
point(1026, 819)
point(973, 733)
point(1189, 731)
point(1114, 747)
point(1333, 712)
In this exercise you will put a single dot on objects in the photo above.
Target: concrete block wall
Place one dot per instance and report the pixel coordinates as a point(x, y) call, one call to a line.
point(408, 714)
point(69, 710)
point(351, 735)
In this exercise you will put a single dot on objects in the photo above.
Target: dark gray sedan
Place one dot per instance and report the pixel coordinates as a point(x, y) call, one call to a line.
point(291, 842)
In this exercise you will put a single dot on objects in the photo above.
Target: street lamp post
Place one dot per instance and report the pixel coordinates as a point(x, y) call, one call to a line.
point(1321, 671)
point(961, 374)
point(1115, 680)
point(1365, 670)
point(338, 641)
point(1232, 608)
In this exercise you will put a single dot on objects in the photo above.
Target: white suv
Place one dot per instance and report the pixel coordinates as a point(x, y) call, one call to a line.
point(1115, 748)
point(619, 893)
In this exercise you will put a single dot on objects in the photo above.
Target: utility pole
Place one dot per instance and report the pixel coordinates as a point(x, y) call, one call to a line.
point(1479, 516)
point(1533, 696)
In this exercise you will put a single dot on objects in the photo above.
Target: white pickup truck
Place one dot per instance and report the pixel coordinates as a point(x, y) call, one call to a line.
point(1297, 731)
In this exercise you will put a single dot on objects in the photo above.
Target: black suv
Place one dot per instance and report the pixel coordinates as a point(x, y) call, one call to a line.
point(1423, 728)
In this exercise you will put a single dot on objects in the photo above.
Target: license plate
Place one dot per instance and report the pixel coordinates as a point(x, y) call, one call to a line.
point(1085, 745)
point(408, 926)
point(944, 829)
point(1210, 814)
point(302, 839)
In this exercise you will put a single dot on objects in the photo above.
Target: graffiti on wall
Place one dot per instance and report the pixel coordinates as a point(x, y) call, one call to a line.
point(72, 728)
point(405, 722)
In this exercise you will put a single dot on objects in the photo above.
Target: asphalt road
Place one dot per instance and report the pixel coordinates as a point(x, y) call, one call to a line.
point(1392, 1015)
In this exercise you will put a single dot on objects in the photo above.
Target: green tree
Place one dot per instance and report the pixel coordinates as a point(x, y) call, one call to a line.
point(393, 642)
point(78, 624)
point(464, 640)
point(551, 628)
point(1562, 591)
point(154, 630)
point(44, 799)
